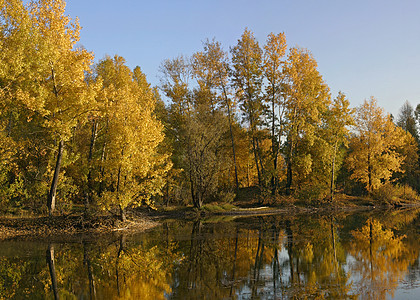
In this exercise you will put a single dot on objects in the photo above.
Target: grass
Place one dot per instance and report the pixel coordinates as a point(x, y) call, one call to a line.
point(216, 207)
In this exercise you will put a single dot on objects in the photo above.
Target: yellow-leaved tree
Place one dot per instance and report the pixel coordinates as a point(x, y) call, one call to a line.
point(63, 97)
point(274, 51)
point(307, 98)
point(131, 168)
point(43, 83)
point(374, 146)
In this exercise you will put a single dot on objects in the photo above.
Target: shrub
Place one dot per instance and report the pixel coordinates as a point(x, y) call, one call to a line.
point(312, 192)
point(391, 194)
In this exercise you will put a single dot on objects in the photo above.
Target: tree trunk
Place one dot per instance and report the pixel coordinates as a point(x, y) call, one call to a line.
point(289, 175)
point(122, 211)
point(10, 125)
point(120, 250)
point(86, 260)
point(260, 160)
point(254, 148)
point(102, 169)
point(290, 245)
point(333, 172)
point(53, 190)
point(51, 265)
point(89, 178)
point(369, 175)
point(234, 262)
point(274, 145)
point(123, 217)
point(233, 148)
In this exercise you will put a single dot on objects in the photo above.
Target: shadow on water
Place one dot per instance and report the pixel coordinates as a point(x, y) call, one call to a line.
point(347, 255)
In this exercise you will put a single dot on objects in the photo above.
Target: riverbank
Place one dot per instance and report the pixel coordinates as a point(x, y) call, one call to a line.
point(45, 226)
point(142, 219)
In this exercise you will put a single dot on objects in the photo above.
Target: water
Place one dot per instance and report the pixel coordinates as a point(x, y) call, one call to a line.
point(365, 255)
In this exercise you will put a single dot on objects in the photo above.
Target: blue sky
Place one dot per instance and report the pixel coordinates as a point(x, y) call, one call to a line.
point(363, 48)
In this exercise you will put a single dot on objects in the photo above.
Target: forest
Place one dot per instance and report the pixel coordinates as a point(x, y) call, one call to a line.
point(75, 133)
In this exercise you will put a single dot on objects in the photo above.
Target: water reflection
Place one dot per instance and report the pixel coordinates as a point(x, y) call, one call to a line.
point(340, 256)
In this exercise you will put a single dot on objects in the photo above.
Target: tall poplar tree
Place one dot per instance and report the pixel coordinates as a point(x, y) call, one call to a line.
point(131, 168)
point(64, 94)
point(306, 98)
point(211, 68)
point(274, 51)
point(247, 77)
point(339, 118)
point(48, 80)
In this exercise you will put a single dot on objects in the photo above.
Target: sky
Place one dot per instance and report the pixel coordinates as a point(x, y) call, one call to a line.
point(363, 48)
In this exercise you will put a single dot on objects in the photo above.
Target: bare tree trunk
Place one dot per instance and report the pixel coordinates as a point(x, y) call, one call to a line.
point(53, 190)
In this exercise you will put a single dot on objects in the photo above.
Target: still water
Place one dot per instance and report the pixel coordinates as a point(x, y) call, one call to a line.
point(364, 255)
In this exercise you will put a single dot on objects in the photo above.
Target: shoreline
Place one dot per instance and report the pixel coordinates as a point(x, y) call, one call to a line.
point(140, 220)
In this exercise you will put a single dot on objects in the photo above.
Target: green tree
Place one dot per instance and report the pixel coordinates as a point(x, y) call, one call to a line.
point(407, 120)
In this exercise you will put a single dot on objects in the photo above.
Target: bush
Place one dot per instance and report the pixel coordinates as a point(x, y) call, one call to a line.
point(312, 192)
point(226, 196)
point(407, 193)
point(393, 194)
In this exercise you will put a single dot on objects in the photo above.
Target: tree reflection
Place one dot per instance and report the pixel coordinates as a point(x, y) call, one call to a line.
point(271, 257)
point(382, 259)
point(87, 262)
point(51, 266)
point(141, 271)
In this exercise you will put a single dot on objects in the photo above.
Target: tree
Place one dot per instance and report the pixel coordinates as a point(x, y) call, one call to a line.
point(64, 94)
point(44, 75)
point(340, 117)
point(131, 167)
point(274, 50)
point(204, 132)
point(407, 120)
point(247, 78)
point(211, 69)
point(306, 98)
point(374, 145)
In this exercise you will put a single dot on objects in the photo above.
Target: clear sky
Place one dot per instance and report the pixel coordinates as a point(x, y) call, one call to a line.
point(363, 47)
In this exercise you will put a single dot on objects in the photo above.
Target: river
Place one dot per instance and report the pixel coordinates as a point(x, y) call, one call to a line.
point(361, 255)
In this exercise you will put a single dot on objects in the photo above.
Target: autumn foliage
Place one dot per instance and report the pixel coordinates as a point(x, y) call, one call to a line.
point(99, 136)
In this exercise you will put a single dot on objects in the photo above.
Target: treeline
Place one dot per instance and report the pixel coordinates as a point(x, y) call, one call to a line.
point(263, 116)
point(100, 135)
